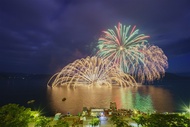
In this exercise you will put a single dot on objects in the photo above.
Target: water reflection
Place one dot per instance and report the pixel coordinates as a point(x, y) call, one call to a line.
point(143, 98)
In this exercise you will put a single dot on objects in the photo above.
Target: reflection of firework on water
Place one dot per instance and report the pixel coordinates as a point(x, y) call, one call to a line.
point(143, 103)
point(92, 71)
point(130, 51)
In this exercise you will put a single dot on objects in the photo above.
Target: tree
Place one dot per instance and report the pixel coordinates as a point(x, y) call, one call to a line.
point(42, 121)
point(141, 120)
point(162, 120)
point(94, 122)
point(61, 123)
point(119, 121)
point(13, 115)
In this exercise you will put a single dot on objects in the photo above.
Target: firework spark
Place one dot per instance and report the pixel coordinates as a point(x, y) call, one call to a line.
point(91, 71)
point(155, 62)
point(131, 52)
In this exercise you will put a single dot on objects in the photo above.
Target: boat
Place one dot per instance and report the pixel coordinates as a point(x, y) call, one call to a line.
point(31, 101)
point(64, 99)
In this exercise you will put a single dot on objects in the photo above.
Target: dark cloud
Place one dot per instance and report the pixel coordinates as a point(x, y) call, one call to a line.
point(42, 36)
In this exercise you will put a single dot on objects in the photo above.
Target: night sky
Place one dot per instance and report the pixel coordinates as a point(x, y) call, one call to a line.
point(42, 36)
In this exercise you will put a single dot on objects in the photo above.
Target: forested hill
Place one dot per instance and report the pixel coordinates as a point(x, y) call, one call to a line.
point(23, 76)
point(174, 79)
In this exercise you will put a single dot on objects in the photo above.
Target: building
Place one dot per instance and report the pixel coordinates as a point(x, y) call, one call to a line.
point(113, 106)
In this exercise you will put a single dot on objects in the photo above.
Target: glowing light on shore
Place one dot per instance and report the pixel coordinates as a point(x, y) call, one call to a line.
point(186, 108)
point(130, 51)
point(91, 71)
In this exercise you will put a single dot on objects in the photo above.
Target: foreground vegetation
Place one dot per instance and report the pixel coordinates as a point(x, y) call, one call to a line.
point(120, 121)
point(152, 119)
point(14, 115)
point(162, 120)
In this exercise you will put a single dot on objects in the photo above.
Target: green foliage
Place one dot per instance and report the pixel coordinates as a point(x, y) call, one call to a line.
point(42, 121)
point(162, 120)
point(119, 121)
point(13, 115)
point(61, 123)
point(94, 121)
point(137, 119)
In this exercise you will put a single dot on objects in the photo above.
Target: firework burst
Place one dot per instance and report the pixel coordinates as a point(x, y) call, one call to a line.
point(130, 51)
point(155, 62)
point(91, 71)
point(122, 47)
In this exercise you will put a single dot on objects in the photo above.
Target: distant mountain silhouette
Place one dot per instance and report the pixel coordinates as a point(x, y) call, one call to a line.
point(184, 74)
point(171, 78)
point(23, 76)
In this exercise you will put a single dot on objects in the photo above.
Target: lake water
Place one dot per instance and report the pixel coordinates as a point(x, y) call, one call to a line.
point(164, 97)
